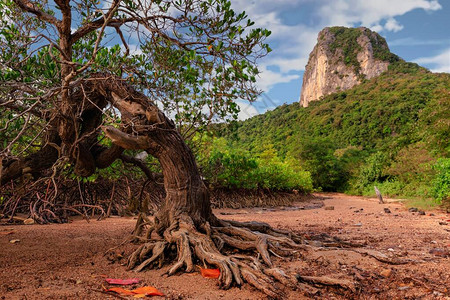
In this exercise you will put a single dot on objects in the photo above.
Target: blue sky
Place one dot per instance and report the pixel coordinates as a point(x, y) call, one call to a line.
point(416, 30)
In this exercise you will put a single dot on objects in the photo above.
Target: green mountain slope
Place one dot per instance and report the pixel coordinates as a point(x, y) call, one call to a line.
point(390, 130)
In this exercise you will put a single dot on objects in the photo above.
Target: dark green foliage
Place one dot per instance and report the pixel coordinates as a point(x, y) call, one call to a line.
point(227, 166)
point(441, 183)
point(371, 171)
point(346, 40)
point(380, 49)
point(388, 129)
point(231, 169)
point(327, 170)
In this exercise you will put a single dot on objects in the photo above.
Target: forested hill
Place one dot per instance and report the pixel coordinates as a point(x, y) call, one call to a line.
point(392, 130)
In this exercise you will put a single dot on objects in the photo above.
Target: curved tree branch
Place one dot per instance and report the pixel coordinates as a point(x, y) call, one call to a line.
point(31, 8)
point(139, 163)
point(64, 6)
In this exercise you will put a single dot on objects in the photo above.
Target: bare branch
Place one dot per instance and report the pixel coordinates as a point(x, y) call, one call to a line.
point(106, 19)
point(31, 8)
point(64, 6)
point(21, 110)
point(119, 32)
point(137, 162)
point(125, 140)
point(24, 127)
point(94, 25)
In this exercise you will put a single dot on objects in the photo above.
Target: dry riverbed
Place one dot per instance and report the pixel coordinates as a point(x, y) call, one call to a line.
point(67, 261)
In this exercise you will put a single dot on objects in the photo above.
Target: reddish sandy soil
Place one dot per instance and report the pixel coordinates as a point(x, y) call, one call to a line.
point(67, 261)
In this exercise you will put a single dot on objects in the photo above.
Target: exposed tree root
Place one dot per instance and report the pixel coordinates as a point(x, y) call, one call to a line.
point(325, 280)
point(214, 246)
point(381, 257)
point(242, 252)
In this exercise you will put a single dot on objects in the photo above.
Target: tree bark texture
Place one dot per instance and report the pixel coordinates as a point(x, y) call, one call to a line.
point(143, 126)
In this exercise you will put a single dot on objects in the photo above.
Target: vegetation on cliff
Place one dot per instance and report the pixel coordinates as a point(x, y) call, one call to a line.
point(346, 40)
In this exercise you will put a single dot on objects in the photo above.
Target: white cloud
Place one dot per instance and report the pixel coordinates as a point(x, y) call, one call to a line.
point(134, 49)
point(393, 25)
point(267, 78)
point(6, 15)
point(293, 42)
point(372, 13)
point(376, 28)
point(247, 110)
point(439, 63)
point(261, 7)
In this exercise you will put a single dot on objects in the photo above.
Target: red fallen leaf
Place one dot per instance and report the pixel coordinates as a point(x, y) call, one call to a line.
point(123, 281)
point(148, 291)
point(210, 273)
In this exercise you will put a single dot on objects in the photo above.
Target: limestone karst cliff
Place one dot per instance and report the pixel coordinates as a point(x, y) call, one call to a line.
point(342, 58)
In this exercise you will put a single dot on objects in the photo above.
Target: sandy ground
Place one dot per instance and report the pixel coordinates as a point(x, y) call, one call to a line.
point(67, 261)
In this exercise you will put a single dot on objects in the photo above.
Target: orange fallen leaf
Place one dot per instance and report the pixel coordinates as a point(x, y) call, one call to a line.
point(120, 291)
point(146, 291)
point(210, 273)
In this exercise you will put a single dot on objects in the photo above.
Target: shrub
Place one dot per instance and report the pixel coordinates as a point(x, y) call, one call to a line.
point(231, 169)
point(226, 166)
point(372, 170)
point(277, 175)
point(327, 170)
point(441, 183)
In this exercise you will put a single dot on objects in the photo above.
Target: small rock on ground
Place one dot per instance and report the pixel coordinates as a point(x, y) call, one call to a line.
point(386, 273)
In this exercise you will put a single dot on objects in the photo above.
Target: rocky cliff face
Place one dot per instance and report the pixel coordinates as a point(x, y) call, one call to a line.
point(341, 59)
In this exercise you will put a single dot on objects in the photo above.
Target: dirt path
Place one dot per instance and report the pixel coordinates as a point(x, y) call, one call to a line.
point(67, 262)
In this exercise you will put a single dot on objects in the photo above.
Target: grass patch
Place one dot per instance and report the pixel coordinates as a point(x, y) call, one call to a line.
point(421, 203)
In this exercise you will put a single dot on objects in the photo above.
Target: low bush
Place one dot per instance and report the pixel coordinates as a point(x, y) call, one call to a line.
point(441, 184)
point(224, 166)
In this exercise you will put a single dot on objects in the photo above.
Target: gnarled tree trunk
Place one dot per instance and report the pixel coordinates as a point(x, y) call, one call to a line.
point(185, 191)
point(145, 127)
point(185, 219)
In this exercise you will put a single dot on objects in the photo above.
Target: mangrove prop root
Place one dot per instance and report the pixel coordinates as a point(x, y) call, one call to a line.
point(241, 251)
